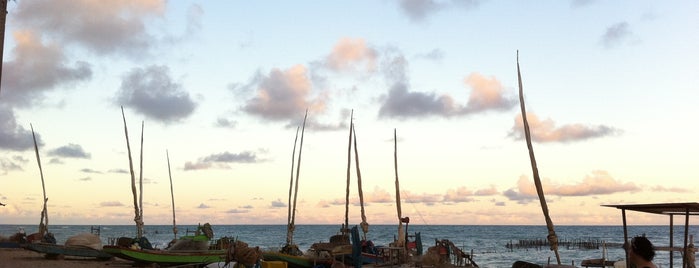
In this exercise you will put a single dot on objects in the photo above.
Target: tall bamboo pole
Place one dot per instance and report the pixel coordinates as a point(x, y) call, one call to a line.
point(401, 232)
point(44, 223)
point(553, 239)
point(172, 196)
point(133, 179)
point(349, 164)
point(290, 227)
point(140, 185)
point(363, 224)
point(3, 20)
point(298, 170)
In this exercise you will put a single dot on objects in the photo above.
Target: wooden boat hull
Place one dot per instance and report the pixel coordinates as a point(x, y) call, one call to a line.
point(167, 257)
point(295, 261)
point(9, 245)
point(58, 251)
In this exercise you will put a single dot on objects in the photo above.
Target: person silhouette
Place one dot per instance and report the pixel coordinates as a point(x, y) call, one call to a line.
point(640, 252)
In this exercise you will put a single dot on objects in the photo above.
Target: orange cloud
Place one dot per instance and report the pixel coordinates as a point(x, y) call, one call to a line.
point(351, 53)
point(547, 131)
point(284, 94)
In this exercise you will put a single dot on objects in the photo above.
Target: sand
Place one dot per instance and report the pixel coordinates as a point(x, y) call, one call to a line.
point(20, 258)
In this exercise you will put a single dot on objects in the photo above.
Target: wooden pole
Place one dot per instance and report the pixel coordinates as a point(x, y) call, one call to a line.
point(298, 170)
point(44, 223)
point(364, 224)
point(401, 235)
point(349, 164)
point(3, 20)
point(133, 178)
point(290, 227)
point(140, 186)
point(172, 196)
point(553, 239)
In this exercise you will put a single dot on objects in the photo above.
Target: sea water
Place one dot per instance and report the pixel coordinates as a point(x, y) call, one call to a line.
point(488, 243)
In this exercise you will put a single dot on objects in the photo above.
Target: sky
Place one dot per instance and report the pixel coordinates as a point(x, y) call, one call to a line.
point(219, 89)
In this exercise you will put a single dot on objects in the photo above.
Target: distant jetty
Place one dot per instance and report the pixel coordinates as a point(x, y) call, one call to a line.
point(569, 244)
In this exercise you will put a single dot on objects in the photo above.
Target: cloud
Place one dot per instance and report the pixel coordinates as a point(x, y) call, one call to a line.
point(7, 165)
point(111, 27)
point(196, 165)
point(13, 136)
point(71, 150)
point(660, 188)
point(152, 92)
point(111, 204)
point(400, 103)
point(581, 3)
point(546, 130)
point(616, 34)
point(435, 55)
point(278, 204)
point(225, 123)
point(237, 211)
point(85, 179)
point(227, 157)
point(221, 160)
point(487, 94)
point(283, 95)
point(595, 184)
point(418, 10)
point(488, 191)
point(37, 68)
point(91, 171)
point(380, 196)
point(118, 170)
point(203, 206)
point(351, 55)
point(461, 194)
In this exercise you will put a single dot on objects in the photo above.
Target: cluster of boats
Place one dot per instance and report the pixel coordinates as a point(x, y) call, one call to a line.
point(202, 250)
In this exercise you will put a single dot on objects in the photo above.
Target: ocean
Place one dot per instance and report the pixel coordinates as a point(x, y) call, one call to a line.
point(487, 242)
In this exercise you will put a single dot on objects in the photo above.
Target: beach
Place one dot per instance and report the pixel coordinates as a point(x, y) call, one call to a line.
point(19, 258)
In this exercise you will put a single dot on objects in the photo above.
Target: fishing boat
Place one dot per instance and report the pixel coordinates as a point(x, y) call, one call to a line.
point(54, 251)
point(84, 245)
point(167, 257)
point(290, 252)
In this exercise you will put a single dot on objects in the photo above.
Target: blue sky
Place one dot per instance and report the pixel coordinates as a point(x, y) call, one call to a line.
point(610, 89)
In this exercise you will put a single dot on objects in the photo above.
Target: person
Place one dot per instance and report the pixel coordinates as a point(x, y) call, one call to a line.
point(640, 252)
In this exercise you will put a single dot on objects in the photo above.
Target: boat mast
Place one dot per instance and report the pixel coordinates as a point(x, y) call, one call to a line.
point(290, 233)
point(137, 218)
point(290, 227)
point(553, 239)
point(44, 224)
point(3, 20)
point(401, 232)
point(364, 224)
point(345, 228)
point(172, 196)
